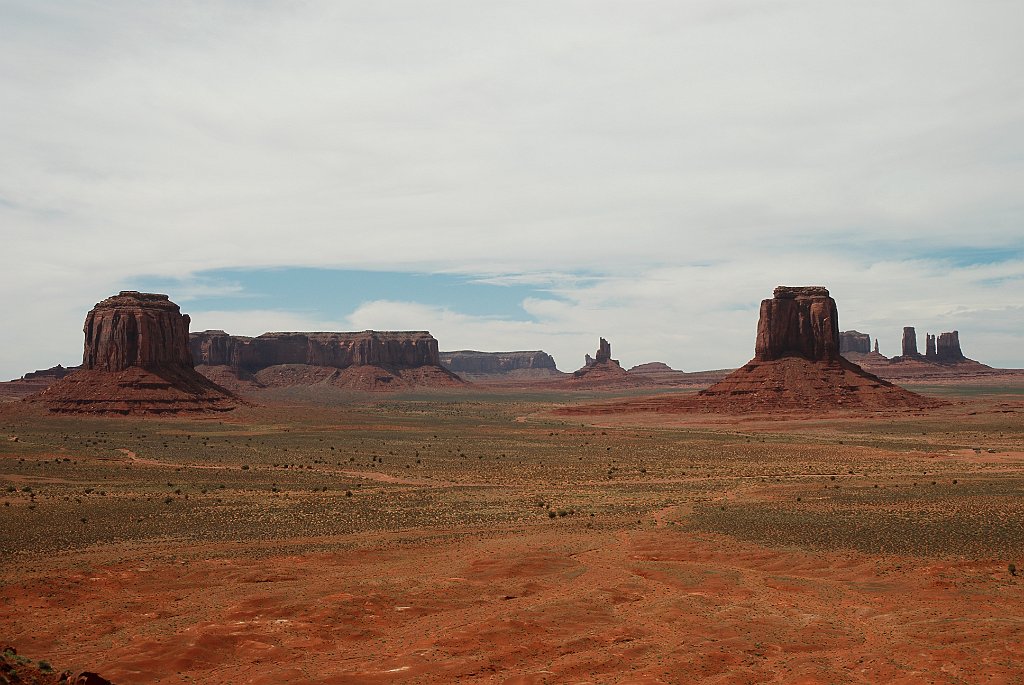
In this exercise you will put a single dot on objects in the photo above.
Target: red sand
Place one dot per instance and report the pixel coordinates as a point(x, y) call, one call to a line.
point(562, 604)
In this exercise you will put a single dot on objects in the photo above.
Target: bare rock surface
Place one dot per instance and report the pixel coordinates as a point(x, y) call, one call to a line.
point(799, 321)
point(796, 367)
point(136, 360)
point(797, 364)
point(501, 366)
point(602, 370)
point(854, 341)
point(370, 361)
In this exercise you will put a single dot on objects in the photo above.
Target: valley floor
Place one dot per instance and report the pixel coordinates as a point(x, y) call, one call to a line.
point(482, 538)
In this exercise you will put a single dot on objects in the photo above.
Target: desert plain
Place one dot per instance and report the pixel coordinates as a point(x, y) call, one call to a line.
point(469, 535)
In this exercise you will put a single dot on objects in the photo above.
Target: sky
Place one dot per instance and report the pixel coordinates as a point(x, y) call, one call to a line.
point(514, 175)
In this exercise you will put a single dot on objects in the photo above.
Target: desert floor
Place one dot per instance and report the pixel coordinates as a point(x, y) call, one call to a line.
point(481, 537)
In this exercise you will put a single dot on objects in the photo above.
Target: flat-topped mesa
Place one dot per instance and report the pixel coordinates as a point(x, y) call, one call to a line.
point(403, 349)
point(373, 361)
point(136, 329)
point(798, 321)
point(947, 348)
point(909, 342)
point(136, 359)
point(473, 362)
point(854, 341)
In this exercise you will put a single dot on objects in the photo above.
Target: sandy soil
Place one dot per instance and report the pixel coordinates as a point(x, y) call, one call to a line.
point(486, 540)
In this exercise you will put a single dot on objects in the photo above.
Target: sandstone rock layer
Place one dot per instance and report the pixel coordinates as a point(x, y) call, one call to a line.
point(136, 360)
point(478, 366)
point(854, 341)
point(360, 361)
point(602, 370)
point(797, 364)
point(796, 367)
point(799, 321)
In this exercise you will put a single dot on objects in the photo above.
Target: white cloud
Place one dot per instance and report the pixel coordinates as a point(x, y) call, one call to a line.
point(774, 141)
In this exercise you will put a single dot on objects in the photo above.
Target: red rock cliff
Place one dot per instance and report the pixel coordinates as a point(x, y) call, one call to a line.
point(136, 360)
point(402, 349)
point(136, 329)
point(801, 321)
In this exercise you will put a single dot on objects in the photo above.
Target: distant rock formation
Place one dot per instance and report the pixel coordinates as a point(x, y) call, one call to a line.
point(136, 360)
point(797, 364)
point(501, 366)
point(652, 367)
point(54, 372)
point(854, 341)
point(941, 350)
point(335, 350)
point(601, 369)
point(876, 347)
point(909, 348)
point(366, 360)
point(800, 321)
point(947, 348)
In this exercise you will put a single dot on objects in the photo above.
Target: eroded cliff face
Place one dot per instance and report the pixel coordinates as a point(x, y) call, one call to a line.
point(136, 360)
point(947, 348)
point(854, 341)
point(136, 329)
point(479, 363)
point(370, 361)
point(909, 346)
point(798, 321)
point(401, 349)
point(797, 365)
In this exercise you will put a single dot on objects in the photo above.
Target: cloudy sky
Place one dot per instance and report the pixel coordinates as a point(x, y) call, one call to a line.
point(514, 175)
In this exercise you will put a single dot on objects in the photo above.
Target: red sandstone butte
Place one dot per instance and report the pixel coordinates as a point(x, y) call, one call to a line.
point(797, 364)
point(136, 360)
point(796, 367)
point(602, 370)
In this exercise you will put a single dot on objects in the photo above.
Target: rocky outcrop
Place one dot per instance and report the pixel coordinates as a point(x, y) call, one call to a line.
point(652, 367)
point(947, 348)
point(366, 360)
point(800, 321)
point(797, 364)
point(336, 350)
point(54, 372)
point(909, 348)
point(18, 669)
point(136, 360)
point(601, 370)
point(940, 350)
point(146, 330)
point(854, 341)
point(470, 362)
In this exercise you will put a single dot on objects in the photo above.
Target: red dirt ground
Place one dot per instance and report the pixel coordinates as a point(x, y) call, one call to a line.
point(559, 605)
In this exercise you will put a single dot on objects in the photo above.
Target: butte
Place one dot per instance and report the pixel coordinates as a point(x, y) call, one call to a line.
point(797, 364)
point(136, 361)
point(796, 367)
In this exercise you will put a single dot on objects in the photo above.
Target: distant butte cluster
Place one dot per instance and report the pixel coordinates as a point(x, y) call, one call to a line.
point(139, 357)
